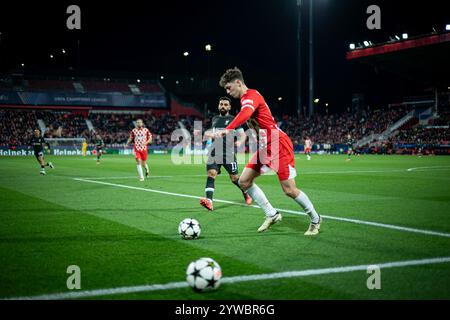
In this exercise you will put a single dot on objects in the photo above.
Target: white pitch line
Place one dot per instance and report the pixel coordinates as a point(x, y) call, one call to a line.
point(137, 178)
point(356, 221)
point(353, 171)
point(299, 172)
point(123, 177)
point(230, 280)
point(428, 168)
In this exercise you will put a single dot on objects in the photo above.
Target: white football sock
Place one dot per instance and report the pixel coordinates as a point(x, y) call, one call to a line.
point(307, 205)
point(146, 168)
point(139, 170)
point(258, 195)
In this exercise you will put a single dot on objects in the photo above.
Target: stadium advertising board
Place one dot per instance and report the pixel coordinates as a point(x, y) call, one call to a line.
point(68, 151)
point(153, 100)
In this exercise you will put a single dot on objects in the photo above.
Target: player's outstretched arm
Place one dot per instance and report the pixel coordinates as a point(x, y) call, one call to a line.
point(241, 137)
point(208, 134)
point(129, 141)
point(241, 118)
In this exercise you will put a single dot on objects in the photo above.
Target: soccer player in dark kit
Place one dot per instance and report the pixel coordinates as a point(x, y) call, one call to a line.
point(350, 150)
point(99, 145)
point(227, 159)
point(38, 142)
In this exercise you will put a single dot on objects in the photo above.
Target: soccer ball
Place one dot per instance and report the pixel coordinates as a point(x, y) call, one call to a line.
point(204, 274)
point(189, 229)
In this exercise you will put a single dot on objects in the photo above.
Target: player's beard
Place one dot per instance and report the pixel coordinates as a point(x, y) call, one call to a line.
point(223, 112)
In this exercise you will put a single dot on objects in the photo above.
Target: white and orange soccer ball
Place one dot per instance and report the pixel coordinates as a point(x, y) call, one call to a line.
point(189, 229)
point(204, 274)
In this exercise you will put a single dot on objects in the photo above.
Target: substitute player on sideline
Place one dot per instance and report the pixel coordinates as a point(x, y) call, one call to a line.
point(38, 142)
point(227, 158)
point(141, 138)
point(279, 153)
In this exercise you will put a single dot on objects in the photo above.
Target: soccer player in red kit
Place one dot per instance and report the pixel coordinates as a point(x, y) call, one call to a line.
point(141, 137)
point(275, 152)
point(308, 146)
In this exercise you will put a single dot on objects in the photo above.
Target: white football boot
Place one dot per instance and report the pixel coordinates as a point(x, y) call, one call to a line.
point(270, 221)
point(314, 228)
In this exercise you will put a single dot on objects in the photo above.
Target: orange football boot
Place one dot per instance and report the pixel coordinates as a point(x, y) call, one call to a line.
point(207, 204)
point(248, 199)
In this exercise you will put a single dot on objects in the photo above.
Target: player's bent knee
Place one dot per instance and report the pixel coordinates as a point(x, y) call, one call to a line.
point(212, 174)
point(291, 192)
point(245, 183)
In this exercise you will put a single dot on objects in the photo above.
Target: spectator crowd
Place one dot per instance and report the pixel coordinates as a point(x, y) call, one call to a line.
point(16, 126)
point(334, 129)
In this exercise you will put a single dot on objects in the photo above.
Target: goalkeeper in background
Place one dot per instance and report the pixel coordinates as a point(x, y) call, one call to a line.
point(99, 145)
point(84, 148)
point(38, 142)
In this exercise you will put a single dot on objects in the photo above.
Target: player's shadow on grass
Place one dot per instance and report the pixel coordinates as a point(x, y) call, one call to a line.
point(223, 206)
point(298, 223)
point(107, 238)
point(249, 234)
point(186, 210)
point(148, 210)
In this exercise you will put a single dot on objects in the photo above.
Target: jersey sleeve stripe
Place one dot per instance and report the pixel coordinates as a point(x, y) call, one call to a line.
point(248, 106)
point(247, 101)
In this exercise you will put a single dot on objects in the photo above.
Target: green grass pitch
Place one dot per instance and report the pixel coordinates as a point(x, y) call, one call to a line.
point(124, 237)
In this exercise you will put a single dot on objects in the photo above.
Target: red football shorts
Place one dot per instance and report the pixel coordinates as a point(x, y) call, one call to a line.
point(140, 155)
point(278, 157)
point(307, 150)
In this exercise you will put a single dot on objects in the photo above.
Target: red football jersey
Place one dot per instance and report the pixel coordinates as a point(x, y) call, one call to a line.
point(308, 143)
point(140, 136)
point(279, 151)
point(257, 114)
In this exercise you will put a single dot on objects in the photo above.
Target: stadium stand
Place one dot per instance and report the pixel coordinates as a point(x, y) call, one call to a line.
point(63, 124)
point(423, 135)
point(105, 86)
point(149, 87)
point(16, 127)
point(417, 125)
point(115, 128)
point(333, 129)
point(49, 85)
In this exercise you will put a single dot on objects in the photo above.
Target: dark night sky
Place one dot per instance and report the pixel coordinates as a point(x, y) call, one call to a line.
point(257, 36)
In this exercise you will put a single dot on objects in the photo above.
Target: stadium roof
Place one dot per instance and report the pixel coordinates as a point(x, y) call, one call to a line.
point(424, 59)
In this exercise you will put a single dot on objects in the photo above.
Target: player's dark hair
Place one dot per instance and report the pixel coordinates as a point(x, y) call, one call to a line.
point(226, 99)
point(231, 75)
